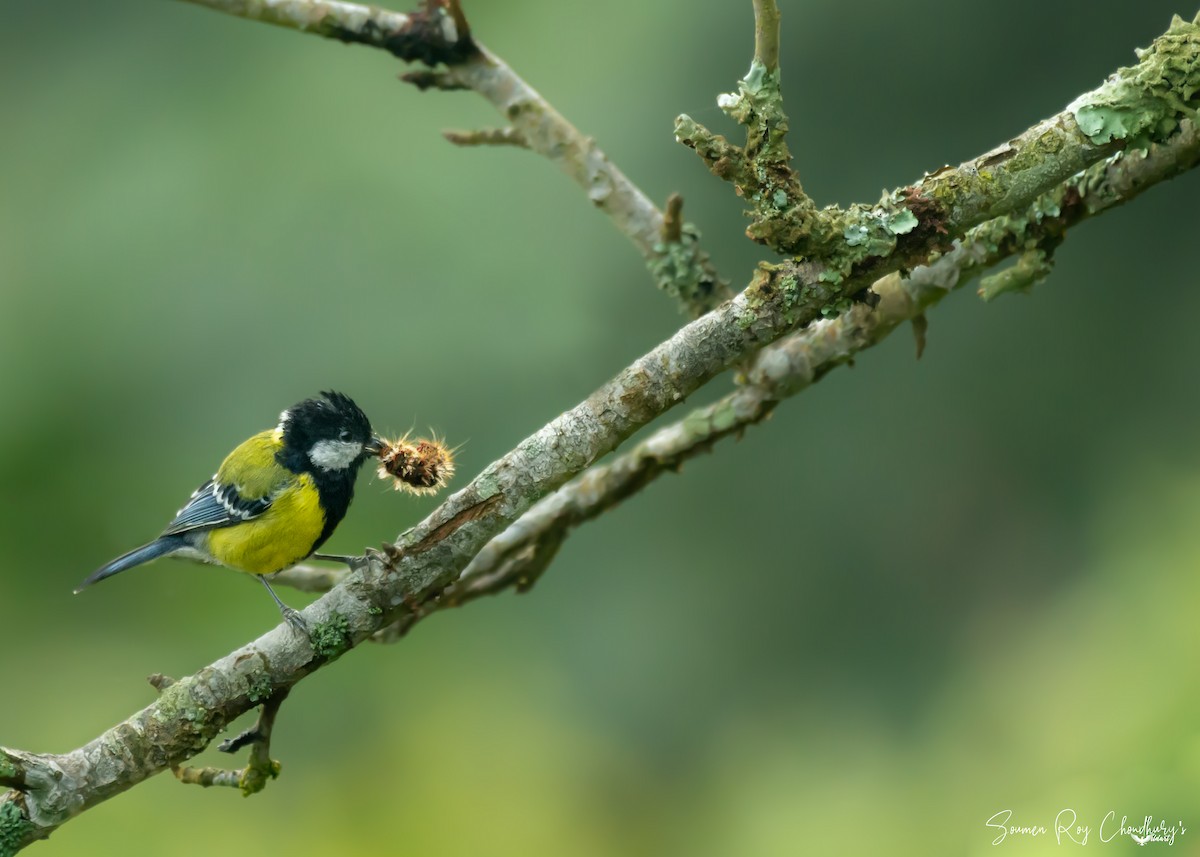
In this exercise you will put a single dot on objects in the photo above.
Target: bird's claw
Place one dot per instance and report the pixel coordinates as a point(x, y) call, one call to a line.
point(295, 619)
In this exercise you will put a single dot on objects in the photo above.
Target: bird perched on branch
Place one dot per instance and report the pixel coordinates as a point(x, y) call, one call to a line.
point(275, 499)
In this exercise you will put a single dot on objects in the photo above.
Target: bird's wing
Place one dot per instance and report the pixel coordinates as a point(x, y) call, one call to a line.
point(216, 505)
point(242, 489)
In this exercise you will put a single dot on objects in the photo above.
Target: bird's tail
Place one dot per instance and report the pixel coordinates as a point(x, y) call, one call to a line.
point(159, 547)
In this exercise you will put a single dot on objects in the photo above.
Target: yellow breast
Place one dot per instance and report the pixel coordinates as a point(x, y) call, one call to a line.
point(279, 538)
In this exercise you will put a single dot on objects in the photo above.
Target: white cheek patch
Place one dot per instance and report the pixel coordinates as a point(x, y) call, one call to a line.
point(334, 454)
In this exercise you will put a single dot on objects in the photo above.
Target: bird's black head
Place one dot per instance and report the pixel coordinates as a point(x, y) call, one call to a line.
point(327, 435)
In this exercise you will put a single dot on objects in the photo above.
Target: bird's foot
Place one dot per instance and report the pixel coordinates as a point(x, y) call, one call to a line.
point(292, 617)
point(295, 619)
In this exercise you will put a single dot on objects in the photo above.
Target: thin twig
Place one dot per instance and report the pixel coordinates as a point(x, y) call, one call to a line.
point(424, 36)
point(920, 329)
point(681, 268)
point(426, 78)
point(549, 134)
point(766, 34)
point(208, 776)
point(672, 228)
point(456, 12)
point(761, 170)
point(487, 137)
point(260, 768)
point(160, 682)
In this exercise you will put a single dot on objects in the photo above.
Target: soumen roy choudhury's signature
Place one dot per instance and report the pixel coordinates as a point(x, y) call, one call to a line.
point(1067, 829)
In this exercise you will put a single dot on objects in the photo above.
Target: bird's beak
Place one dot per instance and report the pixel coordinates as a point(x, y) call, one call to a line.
point(375, 445)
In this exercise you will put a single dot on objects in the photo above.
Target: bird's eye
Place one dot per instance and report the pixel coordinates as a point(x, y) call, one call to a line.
point(344, 435)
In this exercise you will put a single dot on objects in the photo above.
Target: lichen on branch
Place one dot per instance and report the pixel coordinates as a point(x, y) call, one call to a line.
point(16, 830)
point(680, 266)
point(760, 170)
point(1146, 102)
point(520, 554)
point(1137, 105)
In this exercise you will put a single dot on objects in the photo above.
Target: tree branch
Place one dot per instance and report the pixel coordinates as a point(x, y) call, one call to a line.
point(437, 35)
point(696, 284)
point(1140, 104)
point(409, 578)
point(260, 768)
point(518, 556)
point(432, 35)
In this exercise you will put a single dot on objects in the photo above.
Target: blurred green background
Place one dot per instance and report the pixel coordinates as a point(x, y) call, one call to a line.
point(922, 593)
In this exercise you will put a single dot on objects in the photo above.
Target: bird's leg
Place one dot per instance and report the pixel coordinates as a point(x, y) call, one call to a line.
point(334, 557)
point(292, 617)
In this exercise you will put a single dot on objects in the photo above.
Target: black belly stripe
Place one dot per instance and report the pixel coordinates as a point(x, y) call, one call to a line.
point(336, 495)
point(335, 489)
